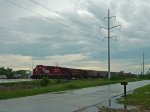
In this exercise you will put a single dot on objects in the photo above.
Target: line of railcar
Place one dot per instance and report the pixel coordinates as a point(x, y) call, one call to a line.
point(41, 71)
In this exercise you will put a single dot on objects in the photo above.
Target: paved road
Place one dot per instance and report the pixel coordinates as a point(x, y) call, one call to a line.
point(67, 101)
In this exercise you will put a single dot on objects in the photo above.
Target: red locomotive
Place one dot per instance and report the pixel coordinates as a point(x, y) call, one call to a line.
point(41, 71)
point(61, 72)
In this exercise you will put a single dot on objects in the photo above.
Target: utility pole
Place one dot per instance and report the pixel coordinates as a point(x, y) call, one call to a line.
point(143, 62)
point(141, 68)
point(109, 75)
point(32, 66)
point(32, 63)
point(108, 29)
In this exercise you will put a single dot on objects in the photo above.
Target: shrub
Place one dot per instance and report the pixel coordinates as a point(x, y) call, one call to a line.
point(58, 80)
point(44, 82)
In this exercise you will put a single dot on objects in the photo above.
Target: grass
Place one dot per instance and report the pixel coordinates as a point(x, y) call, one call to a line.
point(140, 97)
point(29, 88)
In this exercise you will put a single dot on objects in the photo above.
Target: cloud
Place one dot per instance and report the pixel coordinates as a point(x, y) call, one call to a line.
point(72, 38)
point(15, 61)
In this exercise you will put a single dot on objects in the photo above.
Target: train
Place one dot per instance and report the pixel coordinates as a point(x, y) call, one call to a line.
point(52, 72)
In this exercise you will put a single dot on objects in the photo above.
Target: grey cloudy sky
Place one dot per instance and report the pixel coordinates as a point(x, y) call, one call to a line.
point(65, 32)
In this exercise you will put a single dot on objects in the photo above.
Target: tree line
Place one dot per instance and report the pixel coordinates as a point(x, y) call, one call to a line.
point(9, 73)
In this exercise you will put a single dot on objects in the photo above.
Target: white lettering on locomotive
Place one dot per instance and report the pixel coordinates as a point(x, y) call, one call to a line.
point(56, 70)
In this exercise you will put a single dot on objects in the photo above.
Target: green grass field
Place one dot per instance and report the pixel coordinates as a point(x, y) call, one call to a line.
point(140, 97)
point(21, 89)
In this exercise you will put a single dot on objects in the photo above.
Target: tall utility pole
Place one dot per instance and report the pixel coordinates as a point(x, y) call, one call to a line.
point(143, 62)
point(108, 28)
point(109, 75)
point(32, 63)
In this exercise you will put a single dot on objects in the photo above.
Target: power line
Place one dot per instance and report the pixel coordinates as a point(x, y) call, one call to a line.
point(50, 10)
point(83, 6)
point(20, 6)
point(109, 37)
point(80, 4)
point(95, 6)
point(49, 19)
point(58, 13)
point(47, 8)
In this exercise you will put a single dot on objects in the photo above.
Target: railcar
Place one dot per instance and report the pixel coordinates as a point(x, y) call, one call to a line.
point(41, 71)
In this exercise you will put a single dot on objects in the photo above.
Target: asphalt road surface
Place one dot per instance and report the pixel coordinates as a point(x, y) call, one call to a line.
point(67, 101)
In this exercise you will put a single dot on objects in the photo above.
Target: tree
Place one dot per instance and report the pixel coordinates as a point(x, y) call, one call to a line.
point(8, 72)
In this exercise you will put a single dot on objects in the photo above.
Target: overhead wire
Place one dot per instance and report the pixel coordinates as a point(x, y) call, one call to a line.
point(61, 15)
point(50, 19)
point(47, 8)
point(20, 6)
point(44, 6)
point(83, 6)
point(58, 13)
point(32, 12)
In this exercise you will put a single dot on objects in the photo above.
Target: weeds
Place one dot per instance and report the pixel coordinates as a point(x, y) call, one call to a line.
point(20, 89)
point(141, 96)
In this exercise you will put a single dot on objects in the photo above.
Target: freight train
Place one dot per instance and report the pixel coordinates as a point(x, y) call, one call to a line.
point(41, 71)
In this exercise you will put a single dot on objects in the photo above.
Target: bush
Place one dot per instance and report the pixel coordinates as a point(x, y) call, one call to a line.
point(118, 77)
point(58, 80)
point(44, 82)
point(61, 81)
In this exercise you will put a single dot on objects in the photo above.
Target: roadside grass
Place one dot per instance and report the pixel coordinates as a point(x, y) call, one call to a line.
point(34, 88)
point(29, 88)
point(140, 97)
